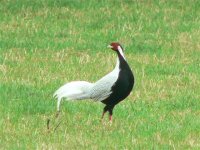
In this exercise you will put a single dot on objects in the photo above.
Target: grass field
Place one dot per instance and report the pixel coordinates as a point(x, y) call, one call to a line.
point(46, 43)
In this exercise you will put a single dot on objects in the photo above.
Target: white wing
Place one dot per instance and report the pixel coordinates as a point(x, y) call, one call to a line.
point(102, 88)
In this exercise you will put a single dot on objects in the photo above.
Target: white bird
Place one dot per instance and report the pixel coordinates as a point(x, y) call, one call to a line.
point(110, 89)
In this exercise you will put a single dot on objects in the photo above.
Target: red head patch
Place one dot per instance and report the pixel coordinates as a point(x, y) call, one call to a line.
point(114, 46)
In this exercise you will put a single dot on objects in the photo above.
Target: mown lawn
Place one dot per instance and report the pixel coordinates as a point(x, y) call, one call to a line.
point(46, 43)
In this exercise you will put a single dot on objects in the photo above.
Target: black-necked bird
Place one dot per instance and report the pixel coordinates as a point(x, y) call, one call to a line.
point(110, 89)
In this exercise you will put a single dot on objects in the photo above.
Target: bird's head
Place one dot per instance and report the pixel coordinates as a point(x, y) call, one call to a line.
point(115, 46)
point(118, 48)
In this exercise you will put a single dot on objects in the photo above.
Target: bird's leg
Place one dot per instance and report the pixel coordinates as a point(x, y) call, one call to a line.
point(110, 114)
point(104, 111)
point(110, 118)
point(103, 115)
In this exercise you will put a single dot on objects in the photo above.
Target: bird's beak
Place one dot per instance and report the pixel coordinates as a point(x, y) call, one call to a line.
point(109, 46)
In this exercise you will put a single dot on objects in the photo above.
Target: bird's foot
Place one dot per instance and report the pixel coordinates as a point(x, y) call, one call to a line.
point(110, 119)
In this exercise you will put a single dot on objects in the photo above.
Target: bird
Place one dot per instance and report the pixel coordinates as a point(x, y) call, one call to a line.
point(110, 89)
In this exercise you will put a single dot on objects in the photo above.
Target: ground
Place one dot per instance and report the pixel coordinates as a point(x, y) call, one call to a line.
point(44, 44)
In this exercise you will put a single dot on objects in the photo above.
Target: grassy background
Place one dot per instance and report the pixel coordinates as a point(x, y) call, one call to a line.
point(45, 43)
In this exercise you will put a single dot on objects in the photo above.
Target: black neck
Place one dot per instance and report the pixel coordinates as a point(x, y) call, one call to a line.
point(121, 59)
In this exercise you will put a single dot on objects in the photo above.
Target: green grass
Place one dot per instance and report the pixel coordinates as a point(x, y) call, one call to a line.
point(44, 44)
